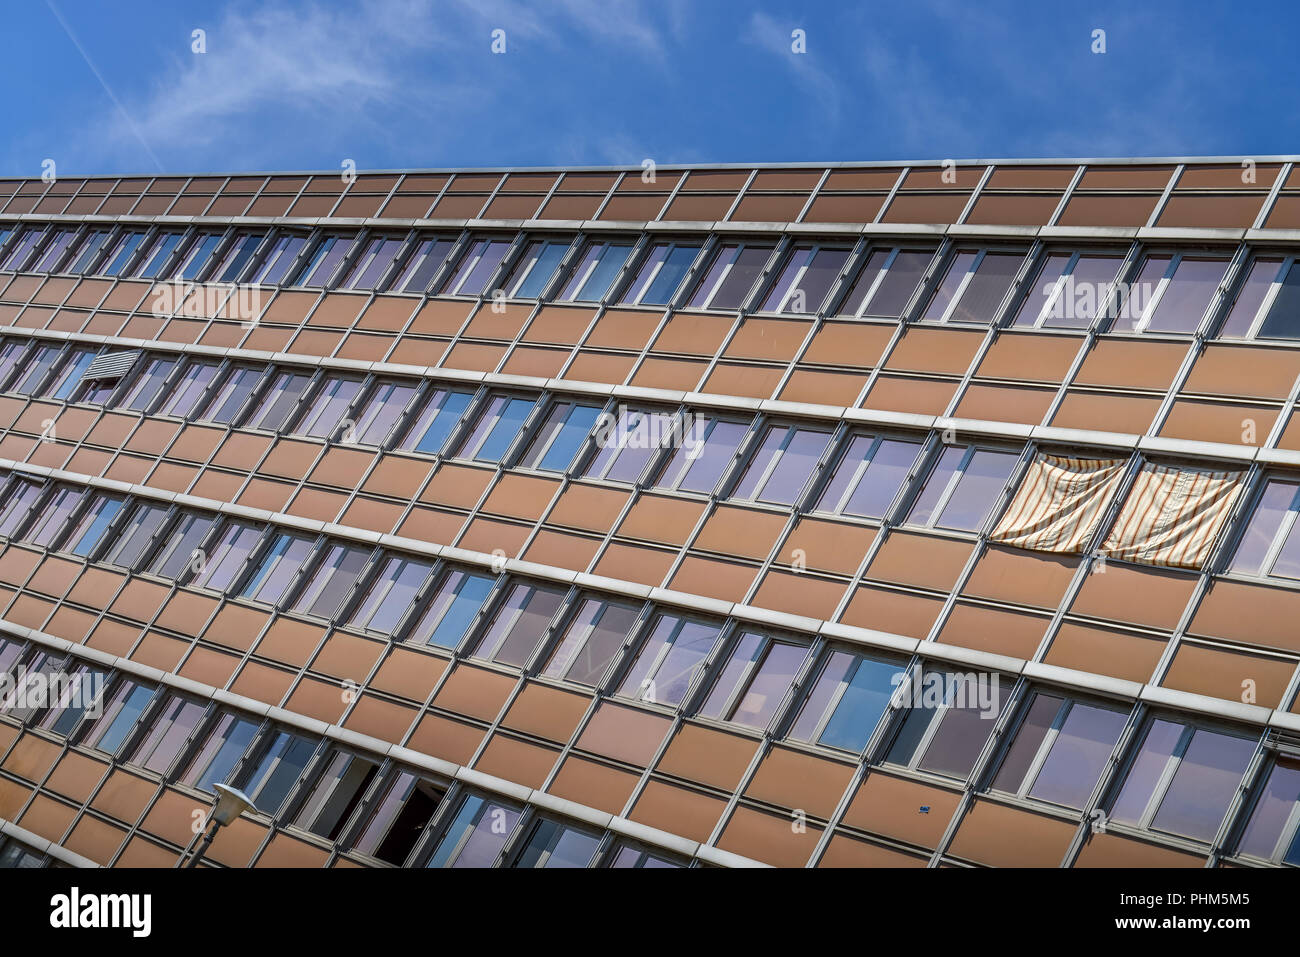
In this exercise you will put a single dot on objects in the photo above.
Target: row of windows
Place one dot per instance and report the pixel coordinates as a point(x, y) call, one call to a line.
point(1180, 777)
point(862, 475)
point(1162, 291)
point(672, 450)
point(371, 807)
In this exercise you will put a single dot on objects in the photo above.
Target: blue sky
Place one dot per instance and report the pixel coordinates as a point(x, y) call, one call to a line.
point(105, 87)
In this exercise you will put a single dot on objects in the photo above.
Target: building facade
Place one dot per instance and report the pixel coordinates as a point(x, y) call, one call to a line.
point(909, 515)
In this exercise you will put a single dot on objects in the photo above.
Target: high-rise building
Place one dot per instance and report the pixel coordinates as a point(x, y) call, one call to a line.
point(937, 514)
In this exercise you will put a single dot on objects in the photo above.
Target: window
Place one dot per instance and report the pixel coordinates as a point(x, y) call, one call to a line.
point(700, 461)
point(561, 436)
point(1270, 544)
point(70, 702)
point(805, 280)
point(974, 286)
point(278, 567)
point(535, 269)
point(962, 488)
point(441, 412)
point(63, 382)
point(93, 523)
point(552, 844)
point(846, 701)
point(336, 794)
point(196, 256)
point(229, 554)
point(278, 771)
point(23, 249)
point(54, 516)
point(1171, 293)
point(41, 673)
point(276, 405)
point(1271, 831)
point(148, 384)
point(592, 641)
point(869, 476)
point(324, 261)
point(237, 257)
point(376, 417)
point(627, 441)
point(451, 609)
point(225, 745)
point(332, 581)
point(121, 252)
point(184, 396)
point(476, 835)
point(132, 539)
point(279, 260)
point(1268, 301)
point(476, 266)
point(596, 271)
point(754, 680)
point(122, 711)
point(1060, 750)
point(54, 250)
point(781, 466)
point(1182, 779)
point(392, 592)
point(180, 550)
point(669, 659)
point(87, 251)
point(34, 367)
point(99, 379)
point(155, 255)
point(232, 394)
point(661, 274)
point(519, 623)
point(629, 856)
point(420, 269)
point(18, 500)
point(326, 413)
point(496, 428)
point(949, 717)
point(397, 821)
point(171, 727)
point(1070, 291)
point(15, 856)
point(734, 270)
point(9, 652)
point(372, 264)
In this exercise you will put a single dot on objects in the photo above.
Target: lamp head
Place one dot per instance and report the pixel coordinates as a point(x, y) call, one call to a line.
point(231, 803)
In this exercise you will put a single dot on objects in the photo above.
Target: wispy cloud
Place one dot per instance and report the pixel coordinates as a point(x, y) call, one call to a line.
point(778, 40)
point(345, 72)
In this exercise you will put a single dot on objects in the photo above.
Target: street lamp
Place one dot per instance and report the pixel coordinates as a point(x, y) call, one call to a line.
point(231, 803)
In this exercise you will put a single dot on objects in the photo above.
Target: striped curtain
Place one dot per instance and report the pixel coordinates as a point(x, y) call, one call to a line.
point(1059, 503)
point(1172, 516)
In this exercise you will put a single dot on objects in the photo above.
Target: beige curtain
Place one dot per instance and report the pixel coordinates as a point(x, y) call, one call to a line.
point(1172, 516)
point(1059, 503)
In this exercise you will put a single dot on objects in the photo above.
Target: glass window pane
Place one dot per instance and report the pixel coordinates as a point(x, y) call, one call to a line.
point(1278, 499)
point(278, 771)
point(1272, 812)
point(591, 641)
point(1250, 296)
point(391, 594)
point(740, 278)
point(170, 730)
point(332, 581)
point(497, 427)
point(476, 834)
point(451, 611)
point(669, 659)
point(1283, 319)
point(952, 280)
point(519, 624)
point(1028, 741)
point(228, 556)
point(1153, 757)
point(700, 460)
point(273, 409)
point(783, 464)
point(180, 551)
point(1188, 295)
point(1204, 784)
point(278, 567)
point(554, 845)
point(440, 415)
point(225, 745)
point(1079, 755)
point(987, 288)
point(336, 795)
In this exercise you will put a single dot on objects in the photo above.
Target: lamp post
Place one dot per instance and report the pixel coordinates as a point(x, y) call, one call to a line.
point(231, 803)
